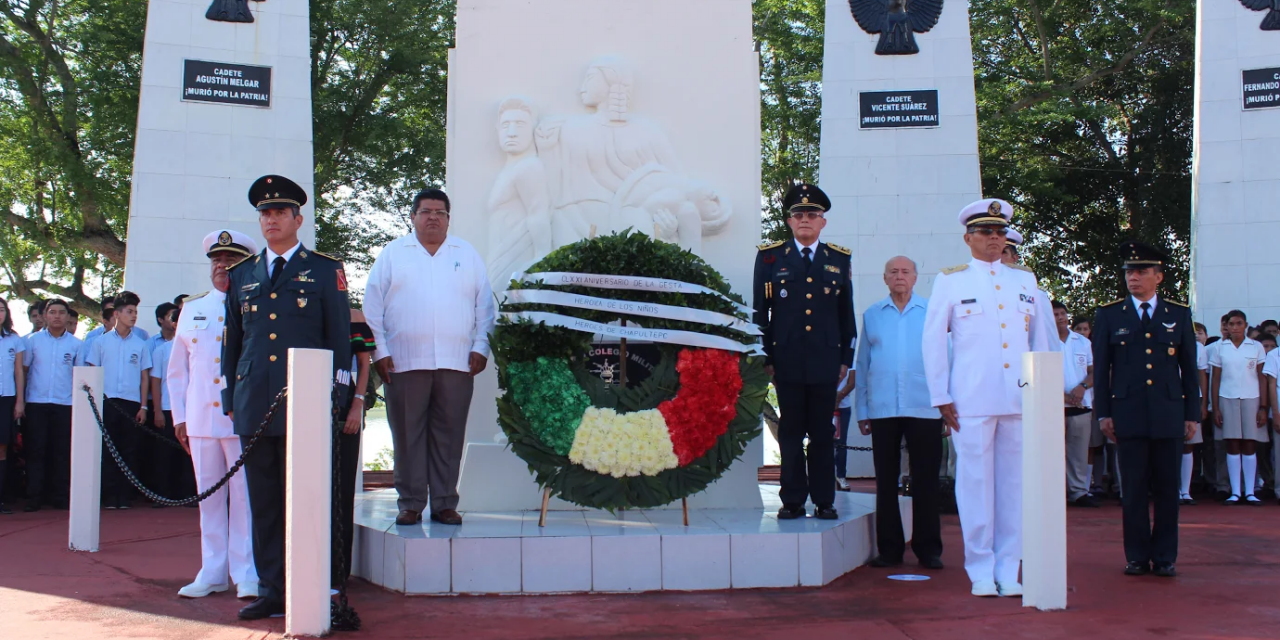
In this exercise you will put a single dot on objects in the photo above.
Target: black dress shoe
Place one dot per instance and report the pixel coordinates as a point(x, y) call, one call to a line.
point(791, 512)
point(1137, 569)
point(826, 512)
point(31, 507)
point(262, 608)
point(1165, 570)
point(1087, 501)
point(882, 562)
point(931, 563)
point(4, 511)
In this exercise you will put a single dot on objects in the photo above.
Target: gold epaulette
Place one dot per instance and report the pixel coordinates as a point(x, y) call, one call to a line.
point(771, 245)
point(325, 255)
point(1020, 268)
point(195, 297)
point(956, 269)
point(1111, 303)
point(1177, 304)
point(836, 247)
point(241, 261)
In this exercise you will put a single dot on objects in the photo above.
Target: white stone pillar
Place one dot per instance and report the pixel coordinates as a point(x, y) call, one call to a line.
point(1235, 176)
point(194, 160)
point(86, 460)
point(307, 505)
point(1044, 484)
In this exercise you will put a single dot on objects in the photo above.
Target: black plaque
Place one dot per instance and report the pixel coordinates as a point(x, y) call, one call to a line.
point(226, 83)
point(604, 360)
point(896, 109)
point(1260, 88)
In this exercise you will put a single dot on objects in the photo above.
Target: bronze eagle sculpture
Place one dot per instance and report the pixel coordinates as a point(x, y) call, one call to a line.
point(897, 22)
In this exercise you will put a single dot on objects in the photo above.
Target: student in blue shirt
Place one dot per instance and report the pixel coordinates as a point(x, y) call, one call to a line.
point(893, 403)
point(12, 390)
point(161, 458)
point(126, 363)
point(46, 429)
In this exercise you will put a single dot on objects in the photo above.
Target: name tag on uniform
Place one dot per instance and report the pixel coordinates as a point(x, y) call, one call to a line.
point(249, 287)
point(199, 318)
point(1122, 331)
point(969, 301)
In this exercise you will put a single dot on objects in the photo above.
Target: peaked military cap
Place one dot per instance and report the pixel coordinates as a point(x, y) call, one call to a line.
point(229, 241)
point(805, 197)
point(1136, 255)
point(1014, 239)
point(991, 212)
point(272, 191)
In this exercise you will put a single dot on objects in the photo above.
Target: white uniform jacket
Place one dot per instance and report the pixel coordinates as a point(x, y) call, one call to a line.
point(195, 368)
point(994, 314)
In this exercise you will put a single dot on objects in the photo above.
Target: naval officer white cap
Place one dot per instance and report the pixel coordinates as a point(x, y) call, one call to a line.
point(1014, 239)
point(992, 212)
point(229, 241)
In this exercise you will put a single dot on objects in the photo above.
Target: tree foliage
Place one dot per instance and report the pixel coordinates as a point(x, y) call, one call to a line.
point(1085, 114)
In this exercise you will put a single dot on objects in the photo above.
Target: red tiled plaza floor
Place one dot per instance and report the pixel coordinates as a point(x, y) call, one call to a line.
point(1229, 588)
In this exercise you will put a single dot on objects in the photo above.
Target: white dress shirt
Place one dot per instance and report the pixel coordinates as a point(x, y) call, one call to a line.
point(1077, 357)
point(429, 312)
point(123, 359)
point(994, 314)
point(1239, 367)
point(12, 347)
point(194, 374)
point(271, 258)
point(50, 361)
point(1151, 309)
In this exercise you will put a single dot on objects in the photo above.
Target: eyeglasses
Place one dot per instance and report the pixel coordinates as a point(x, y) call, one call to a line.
point(438, 213)
point(801, 215)
point(988, 231)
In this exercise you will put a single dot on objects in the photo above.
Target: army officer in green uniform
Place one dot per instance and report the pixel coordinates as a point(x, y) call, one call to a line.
point(286, 297)
point(804, 306)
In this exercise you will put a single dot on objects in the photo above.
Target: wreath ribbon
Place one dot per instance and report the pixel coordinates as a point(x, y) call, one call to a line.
point(648, 309)
point(669, 336)
point(628, 283)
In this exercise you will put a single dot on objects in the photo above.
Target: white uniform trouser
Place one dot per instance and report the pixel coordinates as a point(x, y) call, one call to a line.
point(226, 540)
point(989, 495)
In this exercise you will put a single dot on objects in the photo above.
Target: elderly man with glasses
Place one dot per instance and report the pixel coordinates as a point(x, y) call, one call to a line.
point(803, 302)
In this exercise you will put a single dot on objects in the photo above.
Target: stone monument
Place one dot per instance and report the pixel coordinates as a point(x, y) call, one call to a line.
point(609, 115)
point(899, 142)
point(222, 103)
point(1235, 177)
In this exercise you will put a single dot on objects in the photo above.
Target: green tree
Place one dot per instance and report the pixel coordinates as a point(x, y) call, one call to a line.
point(789, 40)
point(1084, 114)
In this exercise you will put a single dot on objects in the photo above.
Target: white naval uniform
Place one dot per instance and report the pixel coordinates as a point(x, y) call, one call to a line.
point(195, 395)
point(994, 314)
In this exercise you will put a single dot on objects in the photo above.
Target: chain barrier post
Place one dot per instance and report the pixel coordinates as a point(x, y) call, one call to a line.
point(86, 461)
point(1044, 473)
point(308, 478)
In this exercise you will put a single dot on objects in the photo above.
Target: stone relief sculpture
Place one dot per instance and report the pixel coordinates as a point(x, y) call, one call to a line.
point(612, 169)
point(230, 11)
point(520, 223)
point(897, 22)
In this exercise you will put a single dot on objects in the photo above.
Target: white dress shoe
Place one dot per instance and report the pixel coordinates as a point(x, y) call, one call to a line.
point(200, 589)
point(1009, 589)
point(247, 590)
point(985, 589)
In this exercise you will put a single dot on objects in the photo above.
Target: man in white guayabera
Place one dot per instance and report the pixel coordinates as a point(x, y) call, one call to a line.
point(430, 307)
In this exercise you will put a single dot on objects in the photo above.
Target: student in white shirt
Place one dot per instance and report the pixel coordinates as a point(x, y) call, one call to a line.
point(1077, 378)
point(430, 307)
point(12, 389)
point(1188, 450)
point(126, 379)
point(1271, 373)
point(1241, 417)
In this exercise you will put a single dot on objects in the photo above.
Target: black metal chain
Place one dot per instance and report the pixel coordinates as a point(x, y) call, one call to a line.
point(152, 432)
point(168, 502)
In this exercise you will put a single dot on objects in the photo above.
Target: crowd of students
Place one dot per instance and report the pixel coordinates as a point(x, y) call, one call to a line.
point(36, 395)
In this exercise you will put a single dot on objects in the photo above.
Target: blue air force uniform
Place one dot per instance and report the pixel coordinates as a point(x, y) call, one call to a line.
point(1146, 382)
point(804, 307)
point(300, 302)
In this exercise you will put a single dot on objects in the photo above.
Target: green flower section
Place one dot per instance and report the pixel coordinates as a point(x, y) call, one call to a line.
point(550, 397)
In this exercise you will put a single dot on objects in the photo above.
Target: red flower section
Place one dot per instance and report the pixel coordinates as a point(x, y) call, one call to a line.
point(706, 402)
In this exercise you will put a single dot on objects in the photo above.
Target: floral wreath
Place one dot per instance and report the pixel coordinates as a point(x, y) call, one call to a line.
point(640, 446)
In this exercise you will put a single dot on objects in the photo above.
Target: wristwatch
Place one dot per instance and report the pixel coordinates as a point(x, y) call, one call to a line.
point(360, 397)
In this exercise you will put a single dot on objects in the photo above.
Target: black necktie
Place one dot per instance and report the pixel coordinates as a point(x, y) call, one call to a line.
point(808, 261)
point(277, 268)
point(1146, 315)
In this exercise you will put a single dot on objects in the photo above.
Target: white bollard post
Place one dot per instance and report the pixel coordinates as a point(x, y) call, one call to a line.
point(86, 461)
point(308, 478)
point(1044, 484)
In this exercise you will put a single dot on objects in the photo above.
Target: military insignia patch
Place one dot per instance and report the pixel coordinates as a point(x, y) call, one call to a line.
point(826, 290)
point(244, 307)
point(342, 279)
point(224, 238)
point(1173, 350)
point(302, 302)
point(770, 259)
point(782, 294)
point(833, 269)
